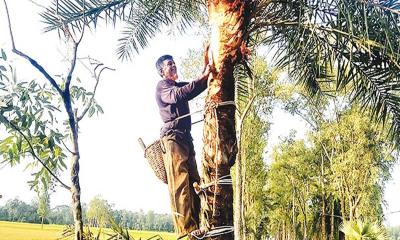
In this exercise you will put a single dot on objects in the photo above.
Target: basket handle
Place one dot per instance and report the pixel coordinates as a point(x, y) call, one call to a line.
point(141, 143)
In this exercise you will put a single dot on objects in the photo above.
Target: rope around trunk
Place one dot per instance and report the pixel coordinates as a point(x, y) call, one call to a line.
point(215, 232)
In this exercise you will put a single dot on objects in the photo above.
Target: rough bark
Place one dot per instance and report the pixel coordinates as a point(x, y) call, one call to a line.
point(227, 20)
point(75, 187)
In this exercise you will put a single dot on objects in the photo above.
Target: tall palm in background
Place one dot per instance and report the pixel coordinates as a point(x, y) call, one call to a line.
point(352, 43)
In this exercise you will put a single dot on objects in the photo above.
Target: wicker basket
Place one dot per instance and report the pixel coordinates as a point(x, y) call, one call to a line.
point(154, 154)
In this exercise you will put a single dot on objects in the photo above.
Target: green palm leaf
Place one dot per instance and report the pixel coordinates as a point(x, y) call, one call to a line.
point(351, 43)
point(147, 18)
point(143, 18)
point(78, 13)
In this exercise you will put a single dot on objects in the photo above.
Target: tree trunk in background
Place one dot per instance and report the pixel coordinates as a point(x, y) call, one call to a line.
point(238, 195)
point(332, 236)
point(228, 21)
point(323, 223)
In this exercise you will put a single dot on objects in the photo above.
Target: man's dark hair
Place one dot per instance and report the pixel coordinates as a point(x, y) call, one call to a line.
point(159, 63)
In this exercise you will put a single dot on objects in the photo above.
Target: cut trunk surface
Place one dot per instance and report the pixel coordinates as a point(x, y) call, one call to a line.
point(227, 21)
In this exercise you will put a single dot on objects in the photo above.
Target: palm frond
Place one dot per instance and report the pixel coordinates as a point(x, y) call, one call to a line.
point(244, 85)
point(351, 43)
point(144, 19)
point(147, 19)
point(77, 13)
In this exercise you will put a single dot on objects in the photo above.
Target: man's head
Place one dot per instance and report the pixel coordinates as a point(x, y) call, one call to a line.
point(166, 67)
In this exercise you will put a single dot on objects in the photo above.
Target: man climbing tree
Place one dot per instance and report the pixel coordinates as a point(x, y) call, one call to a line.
point(316, 41)
point(179, 157)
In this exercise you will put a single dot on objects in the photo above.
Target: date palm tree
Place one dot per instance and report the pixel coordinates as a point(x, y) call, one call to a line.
point(351, 43)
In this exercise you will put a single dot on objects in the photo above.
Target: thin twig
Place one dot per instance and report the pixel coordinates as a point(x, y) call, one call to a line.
point(34, 154)
point(97, 77)
point(66, 147)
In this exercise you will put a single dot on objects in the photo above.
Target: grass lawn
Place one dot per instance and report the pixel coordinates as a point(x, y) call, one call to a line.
point(30, 231)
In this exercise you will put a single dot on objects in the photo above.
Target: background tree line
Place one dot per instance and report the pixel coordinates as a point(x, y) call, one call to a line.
point(96, 213)
point(307, 188)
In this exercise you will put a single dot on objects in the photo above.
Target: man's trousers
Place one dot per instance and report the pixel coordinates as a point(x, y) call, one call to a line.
point(181, 168)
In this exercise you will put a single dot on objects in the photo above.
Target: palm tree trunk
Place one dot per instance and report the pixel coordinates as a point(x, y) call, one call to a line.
point(227, 20)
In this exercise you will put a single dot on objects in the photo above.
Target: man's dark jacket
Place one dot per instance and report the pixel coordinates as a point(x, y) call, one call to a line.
point(172, 99)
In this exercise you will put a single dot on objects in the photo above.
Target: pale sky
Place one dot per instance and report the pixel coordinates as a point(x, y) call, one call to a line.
point(112, 162)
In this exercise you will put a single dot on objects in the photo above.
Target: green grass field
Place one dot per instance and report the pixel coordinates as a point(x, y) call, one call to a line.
point(29, 231)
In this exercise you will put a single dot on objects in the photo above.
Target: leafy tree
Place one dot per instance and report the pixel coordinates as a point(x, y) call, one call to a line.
point(61, 215)
point(98, 212)
point(254, 97)
point(18, 211)
point(337, 174)
point(43, 204)
point(312, 38)
point(42, 119)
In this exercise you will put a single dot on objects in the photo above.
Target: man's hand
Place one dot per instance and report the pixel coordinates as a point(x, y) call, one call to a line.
point(207, 67)
point(206, 72)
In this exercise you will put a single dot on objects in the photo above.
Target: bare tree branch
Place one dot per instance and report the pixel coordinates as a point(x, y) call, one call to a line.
point(66, 147)
point(97, 77)
point(31, 60)
point(73, 64)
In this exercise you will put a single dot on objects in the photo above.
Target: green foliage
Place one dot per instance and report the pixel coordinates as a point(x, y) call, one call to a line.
point(43, 204)
point(340, 171)
point(192, 63)
point(19, 211)
point(144, 19)
point(29, 112)
point(360, 230)
point(394, 233)
point(36, 128)
point(255, 176)
point(254, 97)
point(256, 81)
point(98, 212)
point(353, 44)
point(3, 59)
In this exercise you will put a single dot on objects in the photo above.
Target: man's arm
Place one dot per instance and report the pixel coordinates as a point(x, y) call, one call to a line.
point(172, 94)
